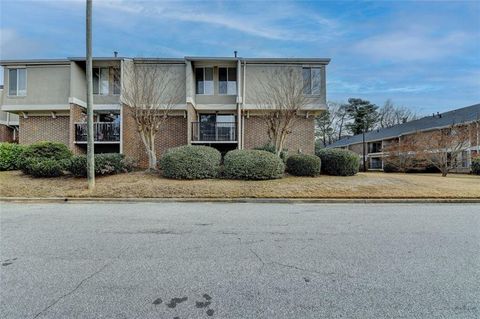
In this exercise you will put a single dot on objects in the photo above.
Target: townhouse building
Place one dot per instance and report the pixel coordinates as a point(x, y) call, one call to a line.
point(218, 103)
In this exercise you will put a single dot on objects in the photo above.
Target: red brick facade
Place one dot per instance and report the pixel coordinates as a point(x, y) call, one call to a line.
point(75, 116)
point(302, 139)
point(44, 128)
point(7, 134)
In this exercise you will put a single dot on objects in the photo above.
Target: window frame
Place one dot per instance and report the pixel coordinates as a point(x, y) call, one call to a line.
point(116, 72)
point(310, 68)
point(16, 68)
point(227, 68)
point(204, 81)
point(99, 85)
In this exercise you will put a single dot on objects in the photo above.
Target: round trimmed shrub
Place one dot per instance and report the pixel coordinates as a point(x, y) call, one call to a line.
point(38, 159)
point(339, 162)
point(105, 164)
point(303, 165)
point(9, 155)
point(191, 162)
point(476, 165)
point(253, 165)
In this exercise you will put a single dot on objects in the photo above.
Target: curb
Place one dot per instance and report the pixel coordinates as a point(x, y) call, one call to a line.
point(419, 200)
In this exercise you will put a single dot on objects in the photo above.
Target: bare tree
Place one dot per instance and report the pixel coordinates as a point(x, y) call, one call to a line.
point(391, 114)
point(443, 147)
point(401, 153)
point(150, 91)
point(279, 96)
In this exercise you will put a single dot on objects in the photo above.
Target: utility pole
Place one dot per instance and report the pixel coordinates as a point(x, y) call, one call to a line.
point(90, 138)
point(363, 144)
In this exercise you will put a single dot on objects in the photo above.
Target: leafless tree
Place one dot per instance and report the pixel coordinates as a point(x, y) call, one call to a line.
point(391, 114)
point(443, 147)
point(401, 153)
point(150, 91)
point(279, 97)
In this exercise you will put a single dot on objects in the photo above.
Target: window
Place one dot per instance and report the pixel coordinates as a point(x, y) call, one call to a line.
point(227, 81)
point(204, 80)
point(312, 81)
point(117, 86)
point(100, 81)
point(17, 82)
point(464, 159)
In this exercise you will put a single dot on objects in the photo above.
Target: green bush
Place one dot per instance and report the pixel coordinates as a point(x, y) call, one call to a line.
point(38, 159)
point(269, 147)
point(252, 164)
point(9, 155)
point(303, 165)
point(339, 162)
point(476, 165)
point(105, 164)
point(191, 162)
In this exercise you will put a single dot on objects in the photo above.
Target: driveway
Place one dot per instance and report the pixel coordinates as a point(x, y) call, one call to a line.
point(201, 260)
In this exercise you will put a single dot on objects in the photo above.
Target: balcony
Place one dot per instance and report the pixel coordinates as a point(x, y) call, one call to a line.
point(214, 132)
point(103, 132)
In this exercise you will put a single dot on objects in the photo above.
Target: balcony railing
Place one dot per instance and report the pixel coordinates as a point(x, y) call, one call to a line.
point(214, 132)
point(102, 132)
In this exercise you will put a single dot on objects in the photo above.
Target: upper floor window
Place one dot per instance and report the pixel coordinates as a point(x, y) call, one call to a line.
point(204, 80)
point(227, 81)
point(312, 81)
point(100, 81)
point(17, 82)
point(117, 85)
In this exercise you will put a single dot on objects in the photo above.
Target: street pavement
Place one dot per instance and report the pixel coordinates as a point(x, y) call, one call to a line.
point(239, 260)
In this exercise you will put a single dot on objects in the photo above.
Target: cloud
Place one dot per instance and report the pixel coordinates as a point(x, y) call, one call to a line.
point(14, 45)
point(413, 45)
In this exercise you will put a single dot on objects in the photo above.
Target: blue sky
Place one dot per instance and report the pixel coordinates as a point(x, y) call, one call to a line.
point(422, 54)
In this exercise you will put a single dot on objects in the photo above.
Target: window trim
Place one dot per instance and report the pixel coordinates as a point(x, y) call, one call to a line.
point(236, 82)
point(99, 81)
point(311, 80)
point(119, 73)
point(213, 80)
point(26, 87)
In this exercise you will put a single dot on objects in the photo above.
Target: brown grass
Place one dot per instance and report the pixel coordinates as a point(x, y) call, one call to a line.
point(143, 185)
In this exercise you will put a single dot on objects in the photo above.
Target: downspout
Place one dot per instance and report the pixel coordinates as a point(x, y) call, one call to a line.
point(243, 102)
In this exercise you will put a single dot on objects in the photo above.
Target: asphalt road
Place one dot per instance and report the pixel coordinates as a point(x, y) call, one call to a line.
point(200, 260)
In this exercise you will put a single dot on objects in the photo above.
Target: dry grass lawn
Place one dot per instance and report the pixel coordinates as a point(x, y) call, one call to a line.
point(140, 184)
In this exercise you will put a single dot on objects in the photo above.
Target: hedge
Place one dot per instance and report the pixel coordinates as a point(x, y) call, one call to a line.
point(476, 165)
point(303, 165)
point(45, 159)
point(269, 147)
point(339, 162)
point(191, 162)
point(9, 155)
point(252, 165)
point(105, 164)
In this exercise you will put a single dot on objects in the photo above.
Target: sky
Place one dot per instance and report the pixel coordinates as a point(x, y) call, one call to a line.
point(421, 54)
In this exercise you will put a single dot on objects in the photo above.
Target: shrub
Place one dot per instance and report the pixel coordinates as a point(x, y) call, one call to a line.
point(269, 147)
point(303, 165)
point(252, 164)
point(390, 168)
point(476, 165)
point(45, 159)
point(9, 155)
point(105, 164)
point(339, 162)
point(191, 162)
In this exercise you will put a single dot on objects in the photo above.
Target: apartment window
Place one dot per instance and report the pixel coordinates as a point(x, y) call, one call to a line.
point(17, 82)
point(464, 159)
point(204, 80)
point(227, 81)
point(100, 81)
point(117, 86)
point(312, 81)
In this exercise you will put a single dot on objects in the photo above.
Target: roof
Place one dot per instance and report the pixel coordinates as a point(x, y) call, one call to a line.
point(463, 115)
point(177, 60)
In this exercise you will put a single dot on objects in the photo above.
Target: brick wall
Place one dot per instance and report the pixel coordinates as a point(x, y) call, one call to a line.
point(76, 115)
point(6, 133)
point(44, 128)
point(172, 133)
point(302, 137)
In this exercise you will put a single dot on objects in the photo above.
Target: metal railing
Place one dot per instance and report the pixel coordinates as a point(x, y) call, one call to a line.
point(214, 132)
point(102, 132)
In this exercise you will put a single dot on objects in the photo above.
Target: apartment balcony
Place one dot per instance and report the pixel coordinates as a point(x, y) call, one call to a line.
point(103, 132)
point(214, 132)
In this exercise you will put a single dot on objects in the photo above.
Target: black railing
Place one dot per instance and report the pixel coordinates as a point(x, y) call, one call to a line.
point(102, 132)
point(214, 132)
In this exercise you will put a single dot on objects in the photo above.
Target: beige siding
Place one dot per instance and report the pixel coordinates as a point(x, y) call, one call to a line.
point(78, 87)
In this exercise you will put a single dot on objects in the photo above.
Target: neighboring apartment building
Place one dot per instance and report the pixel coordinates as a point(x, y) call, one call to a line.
point(8, 124)
point(377, 140)
point(217, 106)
